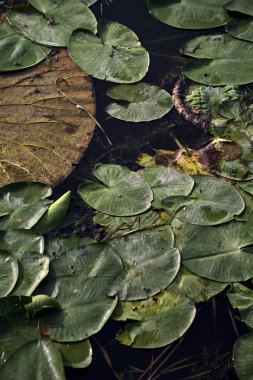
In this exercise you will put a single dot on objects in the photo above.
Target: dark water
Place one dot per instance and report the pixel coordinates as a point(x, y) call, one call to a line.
point(208, 343)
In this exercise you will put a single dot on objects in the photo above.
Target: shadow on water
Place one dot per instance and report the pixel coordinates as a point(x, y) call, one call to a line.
point(205, 350)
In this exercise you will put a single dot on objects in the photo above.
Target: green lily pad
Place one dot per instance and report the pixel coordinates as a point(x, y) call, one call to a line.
point(59, 244)
point(212, 201)
point(18, 241)
point(249, 224)
point(88, 2)
point(19, 194)
point(139, 102)
point(33, 268)
point(242, 6)
point(160, 320)
point(242, 357)
point(198, 289)
point(85, 308)
point(241, 298)
point(166, 182)
point(241, 28)
point(247, 186)
point(116, 55)
point(76, 354)
point(150, 264)
point(54, 215)
point(190, 14)
point(25, 217)
point(17, 52)
point(217, 65)
point(98, 260)
point(8, 273)
point(119, 192)
point(55, 24)
point(34, 360)
point(222, 253)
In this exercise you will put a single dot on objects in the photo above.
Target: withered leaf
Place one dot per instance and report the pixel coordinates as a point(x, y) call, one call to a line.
point(45, 121)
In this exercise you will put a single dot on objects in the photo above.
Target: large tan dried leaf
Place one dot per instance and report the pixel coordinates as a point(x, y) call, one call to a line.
point(43, 131)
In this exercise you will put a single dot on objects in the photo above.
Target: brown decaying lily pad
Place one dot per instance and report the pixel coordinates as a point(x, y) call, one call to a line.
point(43, 131)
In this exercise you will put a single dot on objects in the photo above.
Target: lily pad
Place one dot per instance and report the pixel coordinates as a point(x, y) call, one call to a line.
point(223, 253)
point(241, 298)
point(98, 260)
point(242, 357)
point(150, 264)
point(33, 268)
point(85, 308)
point(77, 354)
point(118, 192)
point(242, 6)
point(43, 134)
point(241, 28)
point(116, 55)
point(217, 65)
point(160, 320)
point(17, 52)
point(139, 102)
point(190, 14)
point(19, 241)
point(166, 182)
point(8, 273)
point(60, 244)
point(212, 201)
point(55, 24)
point(198, 289)
point(34, 360)
point(249, 224)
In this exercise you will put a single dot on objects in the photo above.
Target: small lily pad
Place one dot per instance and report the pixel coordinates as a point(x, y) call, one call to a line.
point(217, 66)
point(139, 102)
point(212, 201)
point(166, 182)
point(241, 28)
point(221, 253)
point(18, 52)
point(150, 264)
point(241, 298)
point(242, 6)
point(76, 354)
point(118, 192)
point(242, 357)
point(160, 320)
point(190, 14)
point(115, 55)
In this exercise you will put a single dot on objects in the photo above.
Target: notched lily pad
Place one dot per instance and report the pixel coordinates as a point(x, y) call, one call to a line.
point(118, 192)
point(139, 102)
point(18, 52)
point(43, 134)
point(241, 298)
point(242, 6)
point(241, 28)
point(115, 54)
point(212, 201)
point(221, 253)
point(55, 24)
point(242, 357)
point(166, 182)
point(222, 60)
point(8, 273)
point(190, 14)
point(159, 320)
point(150, 263)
